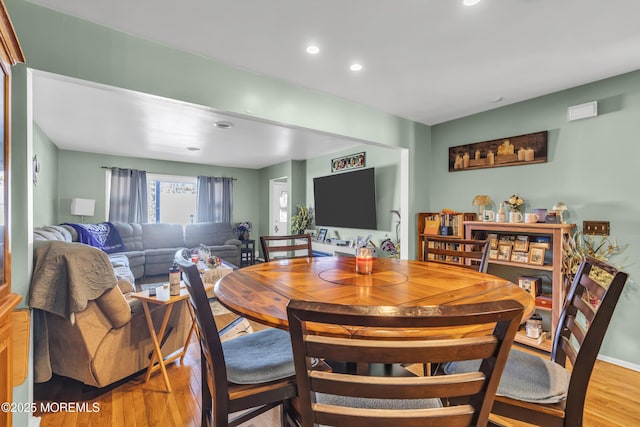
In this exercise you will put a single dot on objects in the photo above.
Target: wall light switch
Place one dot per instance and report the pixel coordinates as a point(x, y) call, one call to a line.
point(596, 228)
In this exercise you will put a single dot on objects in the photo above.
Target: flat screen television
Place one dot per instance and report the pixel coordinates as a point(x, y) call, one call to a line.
point(346, 200)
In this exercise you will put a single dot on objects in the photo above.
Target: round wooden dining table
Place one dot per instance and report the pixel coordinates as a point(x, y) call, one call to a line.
point(261, 292)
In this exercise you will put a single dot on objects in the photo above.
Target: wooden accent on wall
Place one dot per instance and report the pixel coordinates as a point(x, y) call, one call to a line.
point(511, 151)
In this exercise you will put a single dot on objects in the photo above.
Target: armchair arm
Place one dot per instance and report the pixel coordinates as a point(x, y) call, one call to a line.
point(234, 242)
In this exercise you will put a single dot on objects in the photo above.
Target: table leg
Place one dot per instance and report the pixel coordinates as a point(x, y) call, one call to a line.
point(156, 344)
point(191, 331)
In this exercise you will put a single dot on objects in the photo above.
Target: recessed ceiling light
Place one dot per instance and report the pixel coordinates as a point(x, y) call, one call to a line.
point(355, 67)
point(193, 149)
point(313, 49)
point(470, 2)
point(223, 124)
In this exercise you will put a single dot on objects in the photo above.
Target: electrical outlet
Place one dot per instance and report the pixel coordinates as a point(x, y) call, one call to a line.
point(596, 228)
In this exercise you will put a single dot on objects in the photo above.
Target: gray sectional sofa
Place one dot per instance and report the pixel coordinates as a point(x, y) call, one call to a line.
point(150, 248)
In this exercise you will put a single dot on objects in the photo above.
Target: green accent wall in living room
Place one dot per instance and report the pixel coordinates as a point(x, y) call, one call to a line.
point(386, 162)
point(92, 185)
point(45, 192)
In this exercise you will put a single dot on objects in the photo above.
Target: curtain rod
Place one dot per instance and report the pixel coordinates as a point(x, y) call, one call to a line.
point(157, 173)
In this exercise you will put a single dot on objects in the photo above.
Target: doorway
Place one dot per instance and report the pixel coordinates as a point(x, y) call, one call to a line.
point(279, 207)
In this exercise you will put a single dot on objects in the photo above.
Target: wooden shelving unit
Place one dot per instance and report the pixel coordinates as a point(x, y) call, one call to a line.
point(457, 228)
point(552, 266)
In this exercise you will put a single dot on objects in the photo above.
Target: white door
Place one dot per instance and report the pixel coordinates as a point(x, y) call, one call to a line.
point(279, 215)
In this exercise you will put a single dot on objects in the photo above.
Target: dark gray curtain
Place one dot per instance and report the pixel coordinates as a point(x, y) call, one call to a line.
point(215, 199)
point(128, 198)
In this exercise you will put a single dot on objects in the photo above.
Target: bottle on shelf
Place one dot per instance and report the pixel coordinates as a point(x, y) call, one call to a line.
point(174, 280)
point(500, 216)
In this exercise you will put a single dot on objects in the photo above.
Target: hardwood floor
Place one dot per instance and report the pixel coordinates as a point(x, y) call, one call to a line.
point(611, 401)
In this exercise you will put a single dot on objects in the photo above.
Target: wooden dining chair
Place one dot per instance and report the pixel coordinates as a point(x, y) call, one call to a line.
point(252, 373)
point(468, 253)
point(285, 247)
point(348, 399)
point(544, 392)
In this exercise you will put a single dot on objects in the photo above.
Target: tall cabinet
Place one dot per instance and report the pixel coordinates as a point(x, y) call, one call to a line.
point(509, 259)
point(10, 54)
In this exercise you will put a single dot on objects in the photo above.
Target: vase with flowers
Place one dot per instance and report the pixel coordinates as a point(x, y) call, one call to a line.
point(243, 229)
point(515, 204)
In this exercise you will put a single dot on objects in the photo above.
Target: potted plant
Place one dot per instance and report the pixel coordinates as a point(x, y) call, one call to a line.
point(243, 229)
point(301, 220)
point(579, 245)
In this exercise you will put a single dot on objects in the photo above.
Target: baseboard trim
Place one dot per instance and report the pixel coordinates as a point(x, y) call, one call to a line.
point(619, 362)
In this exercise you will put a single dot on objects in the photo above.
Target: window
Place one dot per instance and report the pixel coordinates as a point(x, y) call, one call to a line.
point(284, 204)
point(172, 199)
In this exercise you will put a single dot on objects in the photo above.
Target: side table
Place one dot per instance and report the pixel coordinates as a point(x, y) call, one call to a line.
point(247, 253)
point(163, 297)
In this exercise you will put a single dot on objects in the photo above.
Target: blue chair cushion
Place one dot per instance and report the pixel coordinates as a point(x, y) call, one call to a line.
point(526, 377)
point(369, 403)
point(259, 357)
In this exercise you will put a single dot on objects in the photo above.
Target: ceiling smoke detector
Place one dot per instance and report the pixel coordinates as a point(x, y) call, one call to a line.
point(223, 124)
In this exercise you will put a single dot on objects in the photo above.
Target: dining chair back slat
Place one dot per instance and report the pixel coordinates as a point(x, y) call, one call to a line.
point(286, 247)
point(336, 398)
point(581, 327)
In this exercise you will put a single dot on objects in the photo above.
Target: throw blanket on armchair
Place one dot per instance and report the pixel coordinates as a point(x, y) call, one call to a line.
point(66, 276)
point(102, 236)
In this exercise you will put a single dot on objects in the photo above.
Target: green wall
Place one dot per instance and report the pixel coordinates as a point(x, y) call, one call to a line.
point(592, 166)
point(386, 162)
point(74, 164)
point(45, 192)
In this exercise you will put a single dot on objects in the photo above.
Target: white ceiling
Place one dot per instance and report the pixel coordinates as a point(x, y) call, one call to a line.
point(424, 60)
point(86, 116)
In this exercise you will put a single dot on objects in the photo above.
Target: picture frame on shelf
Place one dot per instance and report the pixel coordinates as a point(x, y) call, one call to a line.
point(322, 235)
point(536, 255)
point(521, 244)
point(504, 252)
point(518, 256)
point(493, 240)
point(493, 253)
point(533, 285)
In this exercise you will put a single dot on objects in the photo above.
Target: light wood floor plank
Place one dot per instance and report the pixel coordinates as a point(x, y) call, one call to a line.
point(611, 401)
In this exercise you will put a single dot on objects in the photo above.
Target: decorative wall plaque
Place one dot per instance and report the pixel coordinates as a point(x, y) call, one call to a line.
point(512, 151)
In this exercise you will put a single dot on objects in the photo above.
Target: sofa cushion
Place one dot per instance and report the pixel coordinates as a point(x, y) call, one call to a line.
point(131, 235)
point(158, 261)
point(161, 235)
point(209, 233)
